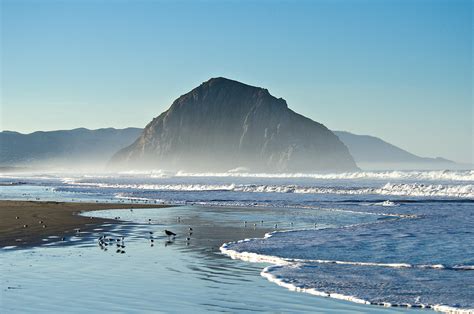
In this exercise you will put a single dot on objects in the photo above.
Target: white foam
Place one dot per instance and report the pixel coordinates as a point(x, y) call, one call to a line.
point(441, 175)
point(279, 262)
point(398, 189)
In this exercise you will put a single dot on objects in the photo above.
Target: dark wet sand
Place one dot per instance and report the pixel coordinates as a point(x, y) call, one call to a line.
point(59, 218)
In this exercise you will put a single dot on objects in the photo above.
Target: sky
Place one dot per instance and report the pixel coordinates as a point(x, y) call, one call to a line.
point(400, 70)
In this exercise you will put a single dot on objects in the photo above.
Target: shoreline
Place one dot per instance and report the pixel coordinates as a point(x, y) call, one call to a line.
point(25, 223)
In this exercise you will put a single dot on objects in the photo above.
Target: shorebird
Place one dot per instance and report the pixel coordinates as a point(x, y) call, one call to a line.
point(276, 226)
point(170, 234)
point(178, 219)
point(190, 229)
point(25, 226)
point(44, 226)
point(17, 217)
point(40, 222)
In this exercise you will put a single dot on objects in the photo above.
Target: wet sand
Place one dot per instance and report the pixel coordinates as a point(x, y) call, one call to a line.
point(43, 219)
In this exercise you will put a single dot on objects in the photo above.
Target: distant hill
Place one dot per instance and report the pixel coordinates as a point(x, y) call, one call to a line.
point(224, 124)
point(94, 148)
point(371, 152)
point(78, 148)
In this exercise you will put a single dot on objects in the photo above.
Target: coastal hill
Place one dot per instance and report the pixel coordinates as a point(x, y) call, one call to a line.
point(224, 124)
point(371, 152)
point(66, 148)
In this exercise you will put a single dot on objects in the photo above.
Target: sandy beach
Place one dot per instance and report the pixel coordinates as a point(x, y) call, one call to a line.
point(25, 223)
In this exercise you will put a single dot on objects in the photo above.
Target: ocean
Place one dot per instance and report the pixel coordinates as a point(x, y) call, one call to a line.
point(351, 242)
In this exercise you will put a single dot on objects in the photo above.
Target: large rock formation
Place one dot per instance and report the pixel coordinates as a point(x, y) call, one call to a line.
point(224, 124)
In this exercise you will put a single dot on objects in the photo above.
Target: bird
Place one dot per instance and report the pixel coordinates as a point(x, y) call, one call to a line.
point(17, 217)
point(188, 239)
point(25, 226)
point(40, 222)
point(190, 229)
point(44, 226)
point(170, 233)
point(276, 226)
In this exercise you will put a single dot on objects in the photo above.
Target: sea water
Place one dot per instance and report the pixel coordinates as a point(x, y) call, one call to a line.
point(400, 239)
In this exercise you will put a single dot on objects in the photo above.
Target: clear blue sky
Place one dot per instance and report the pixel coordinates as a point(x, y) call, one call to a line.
point(400, 70)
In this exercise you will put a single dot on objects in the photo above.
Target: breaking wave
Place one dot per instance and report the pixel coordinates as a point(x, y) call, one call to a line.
point(400, 189)
point(441, 175)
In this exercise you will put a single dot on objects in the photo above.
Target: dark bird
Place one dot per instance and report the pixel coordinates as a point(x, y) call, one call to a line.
point(190, 229)
point(170, 233)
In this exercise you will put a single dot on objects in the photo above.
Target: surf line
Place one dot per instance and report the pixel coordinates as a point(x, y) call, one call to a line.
point(282, 262)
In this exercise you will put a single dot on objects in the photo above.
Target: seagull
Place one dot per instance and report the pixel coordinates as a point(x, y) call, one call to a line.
point(170, 233)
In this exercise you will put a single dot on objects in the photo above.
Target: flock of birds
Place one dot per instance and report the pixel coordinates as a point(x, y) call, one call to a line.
point(105, 242)
point(108, 242)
